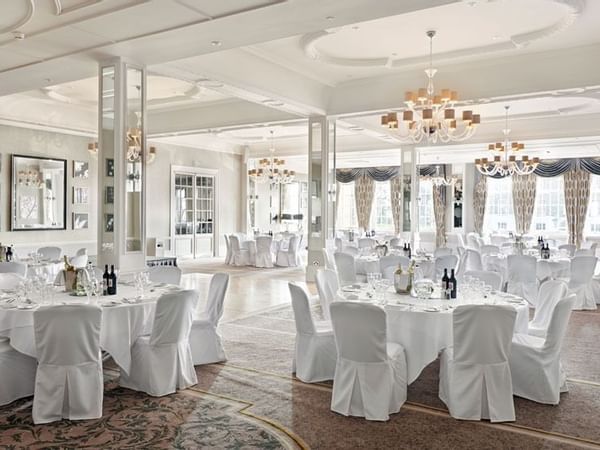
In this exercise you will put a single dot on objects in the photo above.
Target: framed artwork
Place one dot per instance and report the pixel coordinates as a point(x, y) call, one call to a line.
point(109, 195)
point(80, 221)
point(80, 195)
point(109, 223)
point(110, 167)
point(81, 169)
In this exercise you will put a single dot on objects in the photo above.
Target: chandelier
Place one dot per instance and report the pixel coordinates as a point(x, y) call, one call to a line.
point(30, 178)
point(270, 170)
point(439, 178)
point(505, 161)
point(431, 116)
point(134, 144)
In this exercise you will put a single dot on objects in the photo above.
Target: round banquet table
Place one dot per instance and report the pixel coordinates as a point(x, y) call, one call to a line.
point(424, 327)
point(122, 323)
point(555, 267)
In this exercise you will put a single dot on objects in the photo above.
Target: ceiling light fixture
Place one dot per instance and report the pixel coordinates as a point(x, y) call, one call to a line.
point(505, 161)
point(93, 148)
point(270, 170)
point(431, 116)
point(215, 43)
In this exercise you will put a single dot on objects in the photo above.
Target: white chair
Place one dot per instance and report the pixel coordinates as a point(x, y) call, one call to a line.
point(395, 243)
point(205, 340)
point(493, 279)
point(473, 241)
point(315, 353)
point(338, 243)
point(264, 257)
point(240, 255)
point(162, 362)
point(366, 243)
point(289, 257)
point(549, 294)
point(50, 253)
point(69, 382)
point(498, 240)
point(580, 282)
point(165, 274)
point(16, 267)
point(81, 251)
point(346, 267)
point(228, 252)
point(327, 287)
point(522, 277)
point(79, 261)
point(329, 260)
point(569, 248)
point(489, 250)
point(17, 372)
point(445, 262)
point(537, 373)
point(10, 281)
point(475, 381)
point(351, 250)
point(469, 260)
point(442, 251)
point(370, 375)
point(393, 261)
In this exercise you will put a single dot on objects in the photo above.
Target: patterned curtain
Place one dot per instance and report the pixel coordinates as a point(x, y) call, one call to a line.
point(479, 197)
point(577, 194)
point(396, 197)
point(523, 190)
point(364, 191)
point(439, 213)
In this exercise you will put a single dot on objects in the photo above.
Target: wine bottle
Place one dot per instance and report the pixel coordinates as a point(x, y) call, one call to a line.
point(9, 254)
point(105, 280)
point(409, 251)
point(452, 285)
point(445, 280)
point(112, 281)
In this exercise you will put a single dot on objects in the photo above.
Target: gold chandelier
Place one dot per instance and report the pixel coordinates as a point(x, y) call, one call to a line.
point(431, 116)
point(271, 169)
point(505, 160)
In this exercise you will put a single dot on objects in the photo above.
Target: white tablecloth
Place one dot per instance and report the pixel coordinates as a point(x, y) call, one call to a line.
point(555, 267)
point(424, 334)
point(47, 269)
point(367, 264)
point(121, 324)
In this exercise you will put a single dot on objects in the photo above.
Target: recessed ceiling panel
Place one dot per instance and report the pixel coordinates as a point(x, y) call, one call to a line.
point(57, 42)
point(210, 8)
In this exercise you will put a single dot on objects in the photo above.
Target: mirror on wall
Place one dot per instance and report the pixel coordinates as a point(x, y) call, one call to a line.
point(38, 200)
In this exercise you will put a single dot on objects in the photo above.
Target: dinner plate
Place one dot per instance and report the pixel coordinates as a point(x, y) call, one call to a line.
point(27, 306)
point(431, 309)
point(109, 304)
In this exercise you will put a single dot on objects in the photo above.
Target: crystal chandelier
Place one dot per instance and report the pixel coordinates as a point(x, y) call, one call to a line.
point(134, 144)
point(431, 116)
point(440, 179)
point(505, 161)
point(30, 178)
point(271, 170)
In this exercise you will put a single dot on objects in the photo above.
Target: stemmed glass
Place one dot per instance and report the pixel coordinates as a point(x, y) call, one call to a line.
point(381, 287)
point(372, 279)
point(141, 279)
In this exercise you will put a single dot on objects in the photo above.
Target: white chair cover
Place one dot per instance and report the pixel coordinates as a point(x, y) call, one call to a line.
point(51, 253)
point(162, 362)
point(79, 261)
point(475, 381)
point(165, 274)
point(338, 243)
point(469, 260)
point(17, 374)
point(315, 353)
point(228, 252)
point(240, 256)
point(395, 243)
point(537, 373)
point(370, 375)
point(10, 281)
point(569, 248)
point(68, 382)
point(81, 251)
point(329, 260)
point(580, 281)
point(549, 294)
point(493, 279)
point(16, 267)
point(472, 241)
point(327, 287)
point(442, 251)
point(489, 250)
point(366, 243)
point(205, 340)
point(522, 278)
point(349, 249)
point(584, 252)
point(445, 262)
point(393, 261)
point(346, 267)
point(289, 257)
point(264, 257)
point(498, 240)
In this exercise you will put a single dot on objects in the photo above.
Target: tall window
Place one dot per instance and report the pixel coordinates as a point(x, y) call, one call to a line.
point(592, 221)
point(499, 216)
point(426, 217)
point(346, 207)
point(549, 213)
point(381, 214)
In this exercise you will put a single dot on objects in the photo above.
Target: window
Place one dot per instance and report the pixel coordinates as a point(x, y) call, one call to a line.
point(592, 221)
point(381, 214)
point(549, 211)
point(426, 217)
point(499, 214)
point(346, 207)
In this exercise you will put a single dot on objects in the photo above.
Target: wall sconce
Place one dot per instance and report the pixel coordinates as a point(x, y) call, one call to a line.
point(151, 155)
point(93, 148)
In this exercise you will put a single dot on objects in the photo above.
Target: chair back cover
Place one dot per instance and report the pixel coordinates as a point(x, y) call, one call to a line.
point(338, 243)
point(493, 279)
point(263, 244)
point(301, 308)
point(557, 328)
point(570, 248)
point(498, 240)
point(216, 297)
point(445, 262)
point(52, 253)
point(489, 250)
point(9, 281)
point(81, 251)
point(235, 243)
point(582, 270)
point(483, 333)
point(346, 267)
point(360, 332)
point(351, 250)
point(472, 241)
point(79, 261)
point(228, 250)
point(395, 243)
point(173, 317)
point(329, 260)
point(67, 335)
point(13, 267)
point(471, 260)
point(165, 274)
point(521, 268)
point(549, 294)
point(327, 286)
point(366, 243)
point(393, 261)
point(442, 251)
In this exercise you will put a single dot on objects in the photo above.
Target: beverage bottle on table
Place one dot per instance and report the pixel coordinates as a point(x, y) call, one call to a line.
point(445, 280)
point(452, 284)
point(105, 277)
point(112, 281)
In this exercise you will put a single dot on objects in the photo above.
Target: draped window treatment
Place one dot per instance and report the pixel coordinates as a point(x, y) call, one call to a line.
point(577, 195)
point(479, 198)
point(364, 191)
point(396, 199)
point(523, 190)
point(375, 173)
point(439, 213)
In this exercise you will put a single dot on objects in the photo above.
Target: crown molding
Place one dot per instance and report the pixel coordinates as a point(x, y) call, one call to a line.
point(23, 20)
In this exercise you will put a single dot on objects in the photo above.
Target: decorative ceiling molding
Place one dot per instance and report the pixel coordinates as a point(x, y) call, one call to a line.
point(23, 20)
point(60, 10)
point(573, 9)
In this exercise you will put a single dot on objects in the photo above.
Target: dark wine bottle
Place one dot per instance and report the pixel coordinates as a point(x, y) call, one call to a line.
point(105, 279)
point(445, 280)
point(452, 284)
point(9, 254)
point(112, 281)
point(409, 251)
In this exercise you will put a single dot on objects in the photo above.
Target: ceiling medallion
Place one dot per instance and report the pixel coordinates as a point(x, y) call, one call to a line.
point(431, 116)
point(270, 170)
point(505, 161)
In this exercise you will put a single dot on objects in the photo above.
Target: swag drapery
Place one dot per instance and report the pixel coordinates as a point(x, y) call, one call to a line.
point(364, 191)
point(396, 199)
point(577, 195)
point(479, 198)
point(439, 214)
point(523, 191)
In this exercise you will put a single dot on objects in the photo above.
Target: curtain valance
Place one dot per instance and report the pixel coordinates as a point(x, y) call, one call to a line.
point(376, 173)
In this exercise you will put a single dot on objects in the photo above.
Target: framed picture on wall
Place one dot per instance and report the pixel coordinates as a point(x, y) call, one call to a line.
point(110, 167)
point(109, 195)
point(81, 169)
point(80, 221)
point(109, 223)
point(80, 195)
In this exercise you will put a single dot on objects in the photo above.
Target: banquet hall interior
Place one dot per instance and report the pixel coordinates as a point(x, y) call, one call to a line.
point(299, 224)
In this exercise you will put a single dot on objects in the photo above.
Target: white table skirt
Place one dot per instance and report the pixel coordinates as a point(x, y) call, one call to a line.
point(121, 324)
point(546, 268)
point(424, 334)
